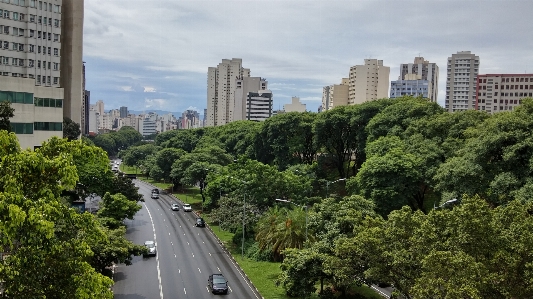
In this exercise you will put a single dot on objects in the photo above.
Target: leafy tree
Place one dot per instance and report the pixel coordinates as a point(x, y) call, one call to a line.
point(287, 139)
point(71, 129)
point(238, 137)
point(6, 112)
point(107, 143)
point(163, 161)
point(135, 155)
point(45, 239)
point(300, 271)
point(130, 135)
point(279, 229)
point(179, 139)
point(115, 208)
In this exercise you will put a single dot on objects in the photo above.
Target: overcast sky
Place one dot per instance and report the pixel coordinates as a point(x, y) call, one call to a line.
point(154, 54)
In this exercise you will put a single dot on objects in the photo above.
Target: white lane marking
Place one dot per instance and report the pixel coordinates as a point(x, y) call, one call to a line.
point(179, 270)
point(175, 256)
point(380, 292)
point(211, 255)
point(188, 244)
point(193, 255)
point(230, 289)
point(199, 270)
point(184, 291)
point(157, 255)
point(207, 289)
point(236, 267)
point(219, 269)
point(169, 234)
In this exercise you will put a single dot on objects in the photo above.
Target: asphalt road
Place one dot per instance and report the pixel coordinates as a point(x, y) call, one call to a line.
point(186, 256)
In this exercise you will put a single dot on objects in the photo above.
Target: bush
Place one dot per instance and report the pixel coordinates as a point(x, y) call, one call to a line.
point(257, 254)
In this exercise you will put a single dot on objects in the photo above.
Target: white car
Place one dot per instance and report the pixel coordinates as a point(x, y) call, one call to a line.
point(151, 248)
point(187, 208)
point(175, 207)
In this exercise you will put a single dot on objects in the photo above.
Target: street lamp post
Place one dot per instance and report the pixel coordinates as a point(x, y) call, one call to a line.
point(284, 200)
point(448, 202)
point(327, 185)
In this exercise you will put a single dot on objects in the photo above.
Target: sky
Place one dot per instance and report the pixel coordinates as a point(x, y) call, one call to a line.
point(154, 54)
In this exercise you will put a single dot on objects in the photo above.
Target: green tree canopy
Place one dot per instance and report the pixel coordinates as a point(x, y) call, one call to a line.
point(6, 112)
point(71, 129)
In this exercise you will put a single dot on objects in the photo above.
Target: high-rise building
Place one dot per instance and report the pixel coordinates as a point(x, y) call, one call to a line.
point(502, 92)
point(99, 107)
point(423, 70)
point(259, 105)
point(243, 88)
point(462, 71)
point(123, 112)
point(412, 85)
point(368, 82)
point(221, 86)
point(35, 38)
point(335, 95)
point(86, 107)
point(71, 56)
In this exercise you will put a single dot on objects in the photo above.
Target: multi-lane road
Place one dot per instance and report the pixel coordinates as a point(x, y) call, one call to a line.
point(186, 256)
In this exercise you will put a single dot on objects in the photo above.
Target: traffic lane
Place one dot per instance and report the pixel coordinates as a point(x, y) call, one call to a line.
point(139, 280)
point(181, 271)
point(205, 245)
point(216, 260)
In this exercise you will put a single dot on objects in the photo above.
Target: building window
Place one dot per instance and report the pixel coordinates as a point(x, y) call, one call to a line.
point(49, 36)
point(32, 3)
point(6, 45)
point(39, 20)
point(56, 8)
point(39, 49)
point(32, 18)
point(49, 50)
point(48, 80)
point(22, 128)
point(56, 52)
point(32, 33)
point(56, 37)
point(56, 66)
point(39, 35)
point(31, 62)
point(45, 20)
point(38, 66)
point(56, 22)
point(15, 16)
point(16, 97)
point(6, 14)
point(21, 47)
point(56, 80)
point(6, 29)
point(49, 65)
point(48, 126)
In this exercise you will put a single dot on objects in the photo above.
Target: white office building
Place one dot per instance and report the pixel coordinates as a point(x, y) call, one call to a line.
point(462, 71)
point(259, 105)
point(294, 106)
point(423, 70)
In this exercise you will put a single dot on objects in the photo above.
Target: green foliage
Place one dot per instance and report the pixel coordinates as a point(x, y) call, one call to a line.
point(116, 208)
point(47, 241)
point(6, 112)
point(71, 130)
point(287, 139)
point(237, 137)
point(300, 271)
point(136, 155)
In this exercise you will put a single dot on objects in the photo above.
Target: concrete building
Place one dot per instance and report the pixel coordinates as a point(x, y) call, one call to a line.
point(462, 71)
point(86, 107)
point(259, 105)
point(502, 92)
point(294, 106)
point(71, 54)
point(149, 124)
point(99, 107)
point(368, 82)
point(190, 119)
point(424, 70)
point(123, 112)
point(221, 86)
point(413, 85)
point(335, 95)
point(94, 121)
point(243, 88)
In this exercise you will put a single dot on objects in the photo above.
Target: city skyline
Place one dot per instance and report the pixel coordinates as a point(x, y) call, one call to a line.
point(155, 55)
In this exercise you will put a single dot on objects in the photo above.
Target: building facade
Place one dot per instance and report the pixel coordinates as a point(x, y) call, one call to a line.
point(368, 82)
point(40, 55)
point(123, 112)
point(502, 92)
point(461, 71)
point(422, 70)
point(335, 95)
point(294, 106)
point(243, 88)
point(410, 87)
point(259, 105)
point(221, 86)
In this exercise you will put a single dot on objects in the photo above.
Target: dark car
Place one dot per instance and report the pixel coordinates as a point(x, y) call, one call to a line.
point(217, 283)
point(155, 191)
point(199, 222)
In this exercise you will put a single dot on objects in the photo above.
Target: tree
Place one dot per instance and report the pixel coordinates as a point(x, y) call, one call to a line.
point(45, 239)
point(163, 160)
point(107, 143)
point(300, 271)
point(116, 208)
point(237, 137)
point(287, 139)
point(71, 129)
point(6, 112)
point(136, 155)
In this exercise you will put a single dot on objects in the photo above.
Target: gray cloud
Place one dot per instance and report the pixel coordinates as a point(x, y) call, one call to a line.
point(297, 45)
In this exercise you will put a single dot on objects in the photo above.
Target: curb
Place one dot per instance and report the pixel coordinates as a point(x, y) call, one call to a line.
point(228, 253)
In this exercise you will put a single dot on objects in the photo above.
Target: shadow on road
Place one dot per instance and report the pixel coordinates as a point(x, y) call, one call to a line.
point(118, 276)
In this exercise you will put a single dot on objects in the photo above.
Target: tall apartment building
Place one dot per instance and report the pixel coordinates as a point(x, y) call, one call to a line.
point(368, 82)
point(462, 71)
point(502, 92)
point(424, 70)
point(85, 116)
point(335, 95)
point(99, 107)
point(243, 88)
point(412, 85)
point(35, 68)
point(221, 86)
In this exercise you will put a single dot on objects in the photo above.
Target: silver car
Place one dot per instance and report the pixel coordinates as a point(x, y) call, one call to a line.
point(152, 250)
point(187, 208)
point(175, 207)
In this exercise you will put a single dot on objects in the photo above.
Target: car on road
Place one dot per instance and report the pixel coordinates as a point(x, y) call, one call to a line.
point(217, 283)
point(154, 196)
point(175, 207)
point(199, 222)
point(187, 208)
point(155, 190)
point(151, 248)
